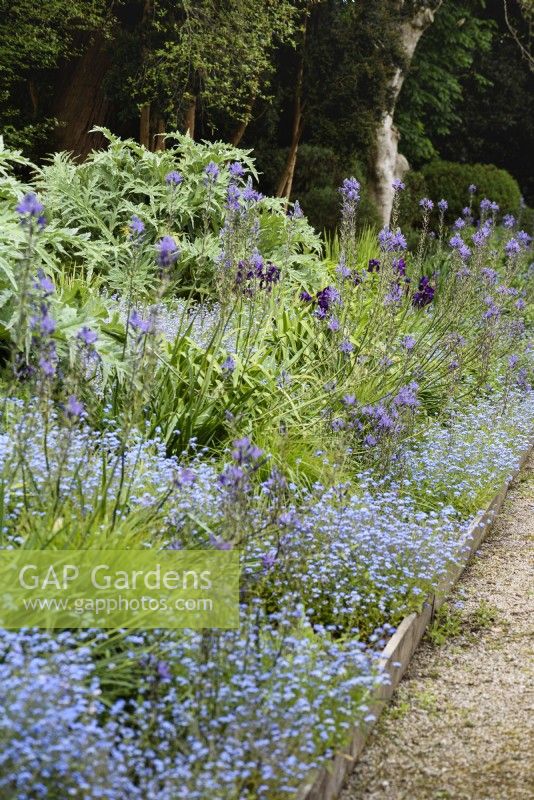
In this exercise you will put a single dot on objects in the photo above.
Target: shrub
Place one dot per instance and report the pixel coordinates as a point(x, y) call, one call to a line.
point(526, 219)
point(318, 174)
point(409, 210)
point(451, 180)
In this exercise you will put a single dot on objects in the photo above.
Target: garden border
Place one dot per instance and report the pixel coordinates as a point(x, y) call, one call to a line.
point(327, 782)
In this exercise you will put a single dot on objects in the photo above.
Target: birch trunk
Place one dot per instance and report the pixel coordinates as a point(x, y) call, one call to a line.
point(388, 164)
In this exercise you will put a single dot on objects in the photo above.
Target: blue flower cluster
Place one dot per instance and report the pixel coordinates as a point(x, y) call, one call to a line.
point(211, 712)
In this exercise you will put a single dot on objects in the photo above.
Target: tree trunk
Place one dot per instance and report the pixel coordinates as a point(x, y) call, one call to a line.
point(388, 165)
point(144, 125)
point(81, 103)
point(158, 138)
point(34, 97)
point(285, 183)
point(190, 115)
point(238, 134)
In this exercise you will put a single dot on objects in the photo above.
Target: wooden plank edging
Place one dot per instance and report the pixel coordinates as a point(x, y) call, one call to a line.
point(327, 782)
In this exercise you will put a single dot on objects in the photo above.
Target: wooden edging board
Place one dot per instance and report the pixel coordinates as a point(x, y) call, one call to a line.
point(327, 783)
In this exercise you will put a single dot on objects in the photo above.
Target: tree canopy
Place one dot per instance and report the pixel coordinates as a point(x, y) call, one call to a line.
point(275, 75)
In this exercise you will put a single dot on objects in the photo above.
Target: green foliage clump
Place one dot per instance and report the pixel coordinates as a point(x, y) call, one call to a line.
point(98, 198)
point(34, 38)
point(527, 219)
point(430, 102)
point(218, 54)
point(409, 209)
point(318, 175)
point(451, 180)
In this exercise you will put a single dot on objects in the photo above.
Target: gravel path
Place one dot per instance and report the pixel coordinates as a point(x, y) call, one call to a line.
point(461, 725)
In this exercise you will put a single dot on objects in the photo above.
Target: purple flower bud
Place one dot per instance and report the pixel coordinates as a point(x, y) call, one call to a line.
point(47, 366)
point(350, 189)
point(327, 297)
point(333, 324)
point(425, 293)
point(399, 265)
point(443, 205)
point(220, 544)
point(212, 172)
point(480, 237)
point(167, 251)
point(173, 178)
point(407, 396)
point(236, 170)
point(140, 324)
point(391, 241)
point(245, 452)
point(394, 295)
point(73, 407)
point(373, 265)
point(30, 207)
point(136, 225)
point(44, 284)
point(343, 270)
point(512, 247)
point(228, 365)
point(296, 212)
point(184, 477)
point(233, 194)
point(163, 671)
point(87, 336)
point(426, 204)
point(249, 194)
point(408, 342)
point(268, 560)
